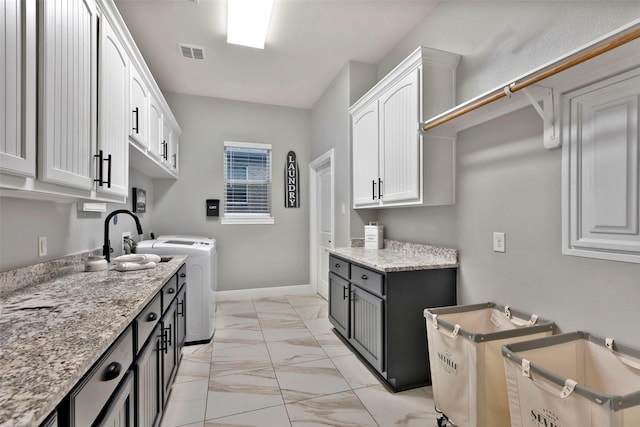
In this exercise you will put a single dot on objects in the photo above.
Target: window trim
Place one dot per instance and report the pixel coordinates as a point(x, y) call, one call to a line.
point(249, 218)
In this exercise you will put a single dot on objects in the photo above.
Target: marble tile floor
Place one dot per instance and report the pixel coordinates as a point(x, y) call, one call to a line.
point(275, 362)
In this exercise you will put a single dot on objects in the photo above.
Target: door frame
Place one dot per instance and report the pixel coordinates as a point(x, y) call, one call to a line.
point(314, 166)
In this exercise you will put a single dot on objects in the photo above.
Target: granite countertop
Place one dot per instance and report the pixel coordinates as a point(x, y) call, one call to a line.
point(400, 256)
point(53, 332)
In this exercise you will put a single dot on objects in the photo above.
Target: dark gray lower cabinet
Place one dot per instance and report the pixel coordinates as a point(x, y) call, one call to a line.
point(169, 348)
point(149, 389)
point(381, 316)
point(120, 411)
point(339, 303)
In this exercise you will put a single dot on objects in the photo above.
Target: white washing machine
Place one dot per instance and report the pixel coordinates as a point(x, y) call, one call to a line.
point(202, 281)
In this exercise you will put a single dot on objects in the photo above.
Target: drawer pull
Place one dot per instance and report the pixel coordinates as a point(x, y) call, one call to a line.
point(345, 293)
point(151, 317)
point(112, 372)
point(171, 291)
point(337, 265)
point(183, 275)
point(364, 277)
point(181, 308)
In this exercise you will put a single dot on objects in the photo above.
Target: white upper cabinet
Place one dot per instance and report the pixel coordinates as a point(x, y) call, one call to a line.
point(67, 92)
point(601, 176)
point(113, 113)
point(393, 165)
point(365, 156)
point(155, 129)
point(139, 129)
point(17, 68)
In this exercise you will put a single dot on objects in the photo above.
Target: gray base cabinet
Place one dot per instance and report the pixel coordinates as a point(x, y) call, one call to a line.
point(149, 390)
point(120, 411)
point(380, 315)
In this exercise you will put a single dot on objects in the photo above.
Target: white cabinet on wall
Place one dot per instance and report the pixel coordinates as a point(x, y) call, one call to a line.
point(393, 165)
point(67, 92)
point(139, 129)
point(113, 113)
point(600, 169)
point(18, 71)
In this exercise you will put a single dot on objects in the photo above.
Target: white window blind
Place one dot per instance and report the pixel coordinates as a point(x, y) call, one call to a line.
point(247, 178)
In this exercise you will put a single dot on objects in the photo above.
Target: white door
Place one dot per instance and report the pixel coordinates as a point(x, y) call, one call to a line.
point(321, 211)
point(324, 196)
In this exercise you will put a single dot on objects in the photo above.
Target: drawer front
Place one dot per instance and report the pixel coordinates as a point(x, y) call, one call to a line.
point(169, 292)
point(367, 279)
point(146, 321)
point(92, 395)
point(339, 266)
point(182, 276)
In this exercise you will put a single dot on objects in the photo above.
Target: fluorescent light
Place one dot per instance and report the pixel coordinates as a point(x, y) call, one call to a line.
point(248, 21)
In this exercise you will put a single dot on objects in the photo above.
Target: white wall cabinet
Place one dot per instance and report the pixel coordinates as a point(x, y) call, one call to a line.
point(139, 129)
point(600, 169)
point(155, 129)
point(393, 165)
point(113, 113)
point(18, 71)
point(67, 92)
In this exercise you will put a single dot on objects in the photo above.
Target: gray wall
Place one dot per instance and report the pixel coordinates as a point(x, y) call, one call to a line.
point(249, 256)
point(331, 128)
point(507, 182)
point(68, 231)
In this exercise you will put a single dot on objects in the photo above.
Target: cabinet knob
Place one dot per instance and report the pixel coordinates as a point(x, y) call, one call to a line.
point(337, 265)
point(151, 317)
point(183, 275)
point(171, 291)
point(112, 371)
point(364, 277)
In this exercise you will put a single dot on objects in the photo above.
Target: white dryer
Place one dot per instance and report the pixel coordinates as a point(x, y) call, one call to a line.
point(202, 282)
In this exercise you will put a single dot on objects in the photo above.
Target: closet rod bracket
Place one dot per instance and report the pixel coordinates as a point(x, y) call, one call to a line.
point(551, 139)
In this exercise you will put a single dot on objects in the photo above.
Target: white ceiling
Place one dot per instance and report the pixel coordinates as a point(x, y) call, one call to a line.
point(308, 42)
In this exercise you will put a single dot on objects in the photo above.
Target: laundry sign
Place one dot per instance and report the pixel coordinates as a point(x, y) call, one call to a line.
point(291, 182)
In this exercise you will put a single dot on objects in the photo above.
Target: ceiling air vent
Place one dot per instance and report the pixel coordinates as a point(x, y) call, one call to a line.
point(191, 51)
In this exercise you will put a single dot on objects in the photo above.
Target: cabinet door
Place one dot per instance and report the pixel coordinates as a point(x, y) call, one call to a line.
point(601, 170)
point(365, 156)
point(139, 129)
point(367, 329)
point(113, 125)
point(149, 387)
point(182, 318)
point(169, 347)
point(17, 87)
point(400, 151)
point(155, 128)
point(339, 304)
point(67, 92)
point(121, 410)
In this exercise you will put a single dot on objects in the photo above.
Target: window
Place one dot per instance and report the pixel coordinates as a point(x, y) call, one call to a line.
point(247, 181)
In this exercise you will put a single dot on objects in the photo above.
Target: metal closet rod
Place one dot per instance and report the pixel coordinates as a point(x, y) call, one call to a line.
point(536, 78)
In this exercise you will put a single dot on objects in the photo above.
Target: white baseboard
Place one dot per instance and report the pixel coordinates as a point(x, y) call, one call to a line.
point(277, 291)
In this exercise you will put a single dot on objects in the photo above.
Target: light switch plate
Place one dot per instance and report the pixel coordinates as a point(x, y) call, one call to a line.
point(499, 244)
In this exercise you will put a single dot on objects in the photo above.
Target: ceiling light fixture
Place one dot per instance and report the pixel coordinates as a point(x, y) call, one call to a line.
point(248, 21)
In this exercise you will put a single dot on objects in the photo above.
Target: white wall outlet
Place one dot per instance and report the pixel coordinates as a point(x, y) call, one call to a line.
point(499, 242)
point(42, 246)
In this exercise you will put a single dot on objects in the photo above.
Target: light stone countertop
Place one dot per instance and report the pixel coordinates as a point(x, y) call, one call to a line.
point(400, 256)
point(53, 332)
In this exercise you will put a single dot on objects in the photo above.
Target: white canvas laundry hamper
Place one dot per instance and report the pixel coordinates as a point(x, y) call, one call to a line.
point(467, 370)
point(573, 380)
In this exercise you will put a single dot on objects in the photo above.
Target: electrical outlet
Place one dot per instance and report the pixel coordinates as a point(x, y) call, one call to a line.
point(499, 242)
point(42, 246)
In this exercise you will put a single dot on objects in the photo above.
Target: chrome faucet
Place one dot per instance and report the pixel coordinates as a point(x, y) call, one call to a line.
point(106, 248)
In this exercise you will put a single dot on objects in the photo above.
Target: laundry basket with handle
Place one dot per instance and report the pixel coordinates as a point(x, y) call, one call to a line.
point(467, 370)
point(573, 379)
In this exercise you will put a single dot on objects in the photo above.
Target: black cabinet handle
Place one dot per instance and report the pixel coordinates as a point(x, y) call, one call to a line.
point(171, 291)
point(345, 294)
point(136, 112)
point(100, 157)
point(165, 345)
point(165, 154)
point(373, 189)
point(379, 188)
point(169, 334)
point(364, 277)
point(112, 371)
point(175, 162)
point(109, 171)
point(151, 317)
point(337, 265)
point(183, 275)
point(181, 308)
